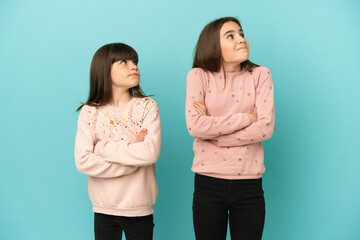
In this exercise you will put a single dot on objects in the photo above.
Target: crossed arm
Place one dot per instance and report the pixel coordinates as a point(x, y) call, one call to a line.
point(259, 128)
point(109, 159)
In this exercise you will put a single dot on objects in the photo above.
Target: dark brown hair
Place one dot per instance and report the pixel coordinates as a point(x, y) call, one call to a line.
point(208, 52)
point(100, 79)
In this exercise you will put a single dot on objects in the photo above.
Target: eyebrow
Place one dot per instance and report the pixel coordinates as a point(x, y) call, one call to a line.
point(230, 31)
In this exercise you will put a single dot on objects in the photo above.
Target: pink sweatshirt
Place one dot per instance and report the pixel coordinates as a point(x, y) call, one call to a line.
point(236, 152)
point(121, 173)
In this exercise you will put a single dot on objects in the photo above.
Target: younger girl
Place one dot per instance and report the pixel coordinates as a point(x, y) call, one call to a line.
point(229, 112)
point(117, 145)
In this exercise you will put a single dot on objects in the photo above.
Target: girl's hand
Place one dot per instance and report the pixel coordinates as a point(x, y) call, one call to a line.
point(200, 108)
point(253, 118)
point(141, 136)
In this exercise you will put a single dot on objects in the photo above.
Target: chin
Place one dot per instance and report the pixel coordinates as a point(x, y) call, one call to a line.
point(244, 59)
point(135, 82)
point(135, 85)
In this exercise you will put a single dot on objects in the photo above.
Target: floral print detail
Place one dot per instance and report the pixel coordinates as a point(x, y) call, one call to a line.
point(118, 124)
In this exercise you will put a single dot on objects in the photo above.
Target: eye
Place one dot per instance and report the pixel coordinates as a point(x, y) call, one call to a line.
point(241, 33)
point(230, 36)
point(122, 61)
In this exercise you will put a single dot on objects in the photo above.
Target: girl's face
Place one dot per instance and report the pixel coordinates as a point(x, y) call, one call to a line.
point(234, 47)
point(124, 74)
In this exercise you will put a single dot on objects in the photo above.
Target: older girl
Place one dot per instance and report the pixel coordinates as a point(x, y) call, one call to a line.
point(229, 112)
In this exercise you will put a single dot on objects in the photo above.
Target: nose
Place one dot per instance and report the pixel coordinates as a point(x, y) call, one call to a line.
point(240, 39)
point(133, 66)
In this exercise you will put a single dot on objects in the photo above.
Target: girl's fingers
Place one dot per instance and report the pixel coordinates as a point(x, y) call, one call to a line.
point(200, 111)
point(200, 108)
point(197, 108)
point(199, 104)
point(141, 135)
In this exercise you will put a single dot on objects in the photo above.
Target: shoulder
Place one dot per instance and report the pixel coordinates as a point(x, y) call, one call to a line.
point(146, 103)
point(147, 108)
point(198, 76)
point(88, 111)
point(261, 72)
point(198, 72)
point(262, 77)
point(87, 114)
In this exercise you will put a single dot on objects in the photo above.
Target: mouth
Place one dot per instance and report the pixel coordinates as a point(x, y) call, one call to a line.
point(135, 75)
point(241, 48)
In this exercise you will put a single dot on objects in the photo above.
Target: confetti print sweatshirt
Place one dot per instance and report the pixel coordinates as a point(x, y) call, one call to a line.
point(121, 173)
point(226, 145)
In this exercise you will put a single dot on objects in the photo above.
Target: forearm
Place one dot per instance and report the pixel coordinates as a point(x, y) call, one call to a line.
point(134, 154)
point(92, 165)
point(208, 127)
point(263, 128)
point(142, 153)
point(257, 132)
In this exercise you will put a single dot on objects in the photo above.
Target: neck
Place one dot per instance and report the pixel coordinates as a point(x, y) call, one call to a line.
point(230, 68)
point(120, 97)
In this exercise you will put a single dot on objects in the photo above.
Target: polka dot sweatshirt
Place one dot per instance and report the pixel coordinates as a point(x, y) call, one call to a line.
point(121, 173)
point(226, 145)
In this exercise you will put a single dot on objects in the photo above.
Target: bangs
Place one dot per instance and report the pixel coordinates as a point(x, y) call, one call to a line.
point(122, 51)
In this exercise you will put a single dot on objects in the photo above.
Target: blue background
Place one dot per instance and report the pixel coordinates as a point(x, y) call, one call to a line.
point(312, 48)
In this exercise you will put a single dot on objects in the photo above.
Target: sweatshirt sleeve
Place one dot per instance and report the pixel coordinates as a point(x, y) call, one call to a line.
point(263, 128)
point(86, 160)
point(136, 154)
point(207, 127)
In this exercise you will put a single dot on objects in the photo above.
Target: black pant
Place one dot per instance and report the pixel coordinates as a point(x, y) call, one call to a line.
point(108, 227)
point(217, 201)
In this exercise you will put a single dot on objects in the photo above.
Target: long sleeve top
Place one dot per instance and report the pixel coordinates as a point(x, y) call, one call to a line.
point(226, 145)
point(121, 173)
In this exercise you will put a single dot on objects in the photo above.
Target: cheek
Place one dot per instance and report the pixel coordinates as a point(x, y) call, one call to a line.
point(112, 76)
point(226, 51)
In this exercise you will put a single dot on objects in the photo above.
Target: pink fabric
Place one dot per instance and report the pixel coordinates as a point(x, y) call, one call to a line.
point(237, 152)
point(121, 173)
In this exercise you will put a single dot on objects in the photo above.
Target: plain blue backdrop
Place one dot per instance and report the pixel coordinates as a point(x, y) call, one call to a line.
point(312, 48)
